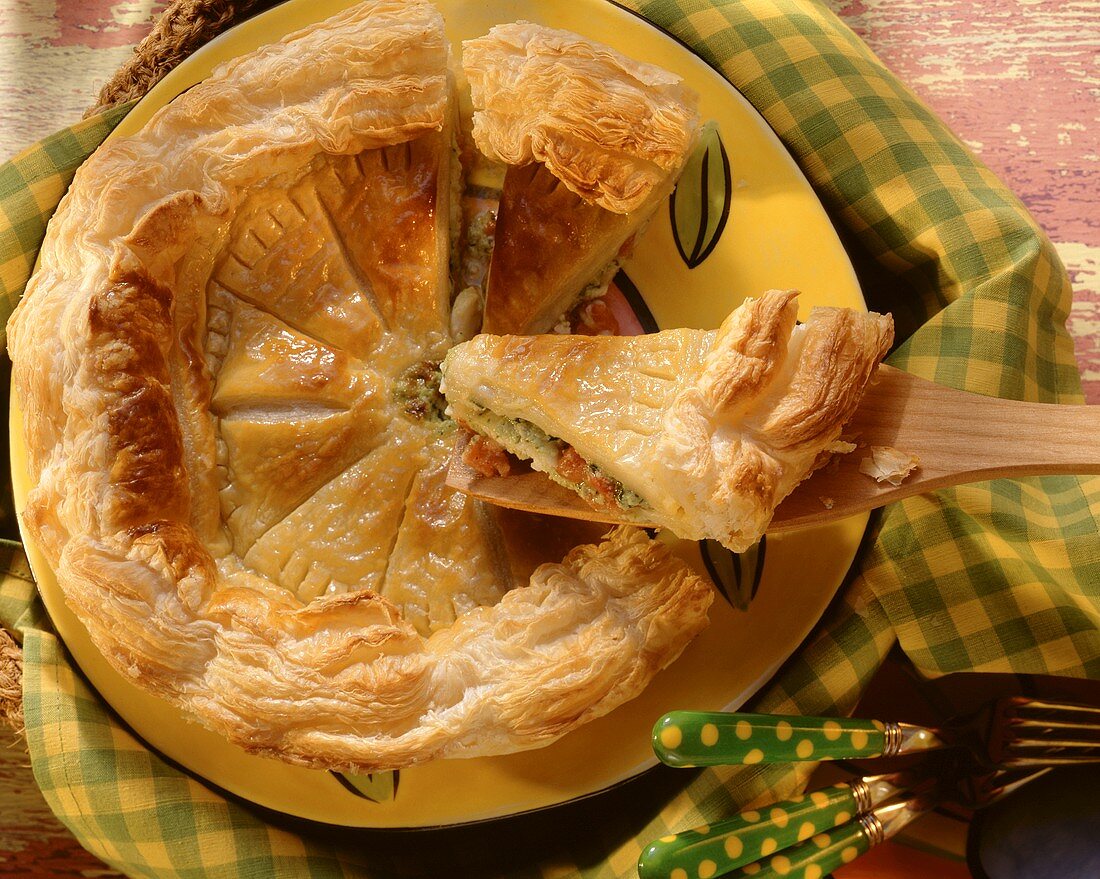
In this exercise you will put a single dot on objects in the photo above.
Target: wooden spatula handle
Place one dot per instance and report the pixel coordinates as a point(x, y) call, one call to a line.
point(958, 437)
point(959, 433)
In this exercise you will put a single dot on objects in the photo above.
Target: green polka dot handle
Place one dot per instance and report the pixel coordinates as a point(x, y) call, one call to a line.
point(709, 738)
point(813, 859)
point(751, 835)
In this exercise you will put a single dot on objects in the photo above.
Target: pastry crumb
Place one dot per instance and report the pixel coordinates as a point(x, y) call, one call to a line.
point(888, 464)
point(841, 447)
point(827, 502)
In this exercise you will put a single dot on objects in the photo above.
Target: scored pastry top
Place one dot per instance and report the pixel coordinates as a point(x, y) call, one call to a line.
point(710, 429)
point(220, 361)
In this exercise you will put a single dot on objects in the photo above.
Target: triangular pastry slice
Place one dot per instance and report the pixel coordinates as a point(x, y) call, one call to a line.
point(593, 141)
point(281, 255)
point(428, 588)
point(704, 432)
point(292, 414)
point(338, 539)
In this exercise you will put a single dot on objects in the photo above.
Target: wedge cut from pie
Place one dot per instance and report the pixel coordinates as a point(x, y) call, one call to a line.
point(703, 432)
point(593, 141)
point(226, 363)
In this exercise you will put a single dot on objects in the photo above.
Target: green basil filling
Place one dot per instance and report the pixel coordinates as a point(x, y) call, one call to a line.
point(479, 240)
point(457, 188)
point(417, 392)
point(624, 497)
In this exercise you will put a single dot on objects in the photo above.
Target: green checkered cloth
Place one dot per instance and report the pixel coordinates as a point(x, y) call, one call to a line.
point(1000, 576)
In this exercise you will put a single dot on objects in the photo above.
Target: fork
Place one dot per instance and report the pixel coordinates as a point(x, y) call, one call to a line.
point(827, 839)
point(752, 833)
point(990, 753)
point(1010, 732)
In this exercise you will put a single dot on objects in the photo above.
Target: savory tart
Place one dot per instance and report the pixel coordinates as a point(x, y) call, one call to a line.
point(226, 362)
point(593, 141)
point(703, 432)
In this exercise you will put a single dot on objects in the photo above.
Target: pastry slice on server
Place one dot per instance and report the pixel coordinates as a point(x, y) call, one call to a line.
point(703, 432)
point(593, 141)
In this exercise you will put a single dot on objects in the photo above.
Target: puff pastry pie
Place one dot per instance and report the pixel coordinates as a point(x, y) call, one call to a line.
point(593, 141)
point(225, 363)
point(704, 432)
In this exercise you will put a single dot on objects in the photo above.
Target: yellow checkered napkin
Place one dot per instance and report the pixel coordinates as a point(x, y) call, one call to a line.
point(1001, 576)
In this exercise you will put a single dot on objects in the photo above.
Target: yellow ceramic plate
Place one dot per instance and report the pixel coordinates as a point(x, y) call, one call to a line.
point(762, 227)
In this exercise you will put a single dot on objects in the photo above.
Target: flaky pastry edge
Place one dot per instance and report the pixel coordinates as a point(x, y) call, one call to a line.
point(785, 390)
point(104, 375)
point(614, 130)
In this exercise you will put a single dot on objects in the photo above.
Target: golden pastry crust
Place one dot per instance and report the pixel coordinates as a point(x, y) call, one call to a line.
point(614, 130)
point(164, 340)
point(712, 429)
point(594, 142)
point(550, 245)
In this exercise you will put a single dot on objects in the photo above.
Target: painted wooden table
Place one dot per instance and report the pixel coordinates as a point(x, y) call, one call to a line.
point(1019, 80)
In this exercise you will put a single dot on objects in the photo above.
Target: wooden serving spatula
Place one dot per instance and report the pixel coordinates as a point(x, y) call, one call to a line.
point(958, 438)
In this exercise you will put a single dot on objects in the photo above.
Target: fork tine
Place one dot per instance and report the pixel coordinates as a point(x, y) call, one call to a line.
point(1052, 759)
point(1034, 732)
point(1044, 732)
point(1055, 711)
point(1038, 723)
point(1003, 782)
point(1050, 750)
point(1052, 746)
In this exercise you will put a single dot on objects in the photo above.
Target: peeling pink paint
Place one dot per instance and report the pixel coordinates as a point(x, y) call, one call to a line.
point(1027, 94)
point(98, 24)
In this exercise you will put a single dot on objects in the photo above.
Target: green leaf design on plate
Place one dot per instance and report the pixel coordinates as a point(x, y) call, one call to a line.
point(378, 787)
point(700, 204)
point(736, 575)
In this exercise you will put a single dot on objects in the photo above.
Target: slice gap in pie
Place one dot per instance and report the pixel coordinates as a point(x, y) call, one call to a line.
point(702, 432)
point(593, 141)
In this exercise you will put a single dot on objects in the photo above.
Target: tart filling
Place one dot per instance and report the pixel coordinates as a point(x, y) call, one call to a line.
point(708, 431)
point(554, 457)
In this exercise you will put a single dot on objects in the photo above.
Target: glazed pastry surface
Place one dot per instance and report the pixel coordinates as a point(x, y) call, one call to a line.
point(594, 142)
point(224, 363)
point(712, 429)
point(611, 128)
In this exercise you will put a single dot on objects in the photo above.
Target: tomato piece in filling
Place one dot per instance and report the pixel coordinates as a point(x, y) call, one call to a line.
point(575, 469)
point(487, 456)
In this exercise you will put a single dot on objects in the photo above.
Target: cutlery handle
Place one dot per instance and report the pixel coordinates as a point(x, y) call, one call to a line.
point(708, 738)
point(813, 859)
point(712, 850)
